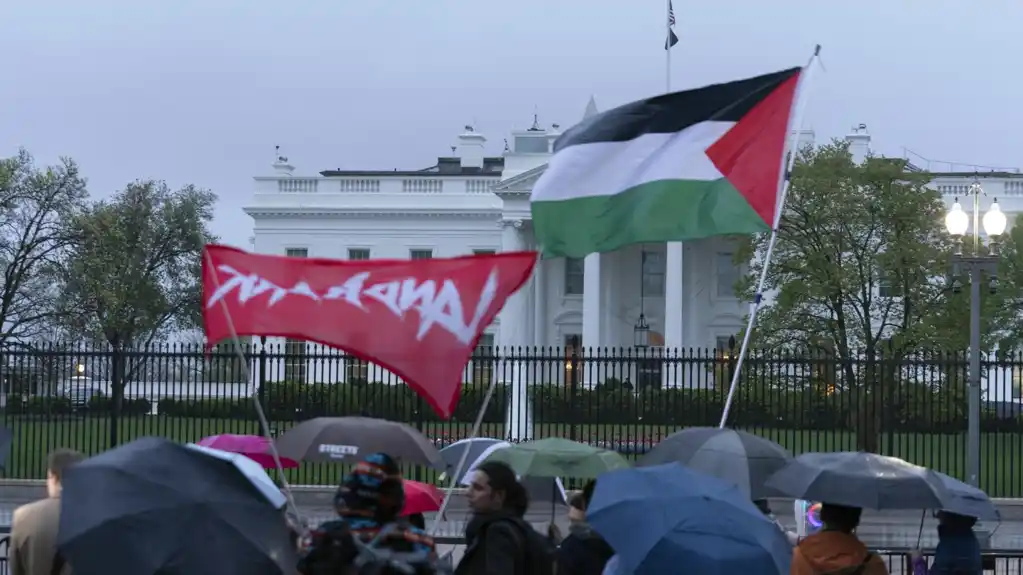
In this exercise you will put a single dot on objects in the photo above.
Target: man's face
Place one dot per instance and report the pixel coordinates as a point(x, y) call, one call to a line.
point(481, 497)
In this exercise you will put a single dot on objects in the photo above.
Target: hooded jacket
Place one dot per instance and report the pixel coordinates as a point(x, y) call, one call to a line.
point(583, 552)
point(835, 553)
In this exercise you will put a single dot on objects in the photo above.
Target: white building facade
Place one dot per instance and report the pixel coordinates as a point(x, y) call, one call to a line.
point(472, 203)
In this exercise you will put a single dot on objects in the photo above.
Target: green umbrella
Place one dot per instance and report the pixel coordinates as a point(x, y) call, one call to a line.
point(557, 457)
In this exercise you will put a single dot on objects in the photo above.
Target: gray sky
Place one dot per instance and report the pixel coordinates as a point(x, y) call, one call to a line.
point(200, 91)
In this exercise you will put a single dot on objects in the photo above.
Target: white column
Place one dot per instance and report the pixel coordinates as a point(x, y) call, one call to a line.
point(593, 313)
point(674, 294)
point(540, 305)
point(512, 332)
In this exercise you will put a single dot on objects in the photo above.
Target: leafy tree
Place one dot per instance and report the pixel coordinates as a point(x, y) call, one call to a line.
point(35, 206)
point(859, 272)
point(221, 364)
point(133, 272)
point(1010, 287)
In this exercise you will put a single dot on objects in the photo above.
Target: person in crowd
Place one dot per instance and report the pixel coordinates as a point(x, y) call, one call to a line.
point(835, 548)
point(498, 539)
point(765, 508)
point(368, 502)
point(33, 543)
point(958, 551)
point(417, 520)
point(584, 551)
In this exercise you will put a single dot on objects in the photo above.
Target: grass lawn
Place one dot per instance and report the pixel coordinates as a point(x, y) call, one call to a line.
point(1001, 456)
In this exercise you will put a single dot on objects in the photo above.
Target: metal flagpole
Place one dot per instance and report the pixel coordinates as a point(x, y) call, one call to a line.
point(667, 50)
point(784, 185)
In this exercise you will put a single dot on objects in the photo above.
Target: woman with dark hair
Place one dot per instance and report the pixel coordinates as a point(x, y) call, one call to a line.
point(497, 537)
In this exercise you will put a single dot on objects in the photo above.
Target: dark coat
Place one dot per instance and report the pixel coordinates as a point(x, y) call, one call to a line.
point(583, 552)
point(957, 553)
point(493, 546)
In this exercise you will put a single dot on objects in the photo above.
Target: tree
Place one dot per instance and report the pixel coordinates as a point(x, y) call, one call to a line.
point(133, 272)
point(859, 270)
point(1010, 287)
point(222, 364)
point(35, 206)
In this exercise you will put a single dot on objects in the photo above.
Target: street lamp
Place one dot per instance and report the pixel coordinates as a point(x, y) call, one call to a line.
point(80, 369)
point(975, 264)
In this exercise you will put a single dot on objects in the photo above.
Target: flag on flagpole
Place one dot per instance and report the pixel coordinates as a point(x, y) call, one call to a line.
point(680, 166)
point(672, 39)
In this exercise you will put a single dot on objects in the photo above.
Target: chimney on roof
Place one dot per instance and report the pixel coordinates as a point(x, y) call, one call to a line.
point(281, 164)
point(859, 143)
point(471, 148)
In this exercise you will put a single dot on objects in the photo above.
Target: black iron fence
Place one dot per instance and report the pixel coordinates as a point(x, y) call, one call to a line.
point(909, 405)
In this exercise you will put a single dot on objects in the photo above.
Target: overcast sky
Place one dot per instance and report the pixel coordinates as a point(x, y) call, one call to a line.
point(200, 91)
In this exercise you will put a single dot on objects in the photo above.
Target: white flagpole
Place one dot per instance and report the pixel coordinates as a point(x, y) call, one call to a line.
point(783, 184)
point(667, 44)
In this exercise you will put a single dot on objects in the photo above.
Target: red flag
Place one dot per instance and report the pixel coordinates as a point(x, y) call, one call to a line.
point(420, 319)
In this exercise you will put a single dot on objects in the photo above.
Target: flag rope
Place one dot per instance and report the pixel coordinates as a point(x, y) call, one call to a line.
point(263, 423)
point(783, 184)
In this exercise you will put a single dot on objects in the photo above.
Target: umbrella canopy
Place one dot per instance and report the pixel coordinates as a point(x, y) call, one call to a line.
point(861, 480)
point(476, 446)
point(155, 506)
point(251, 470)
point(421, 498)
point(666, 516)
point(557, 457)
point(967, 500)
point(540, 489)
point(742, 459)
point(343, 439)
point(255, 447)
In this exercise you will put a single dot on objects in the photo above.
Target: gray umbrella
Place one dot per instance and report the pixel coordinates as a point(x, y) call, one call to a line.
point(540, 489)
point(968, 500)
point(349, 439)
point(861, 480)
point(736, 457)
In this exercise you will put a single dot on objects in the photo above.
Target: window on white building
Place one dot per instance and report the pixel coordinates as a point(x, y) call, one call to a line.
point(574, 274)
point(884, 286)
point(483, 361)
point(653, 273)
point(295, 361)
point(295, 349)
point(483, 252)
point(356, 370)
point(728, 274)
point(358, 254)
point(420, 254)
point(573, 344)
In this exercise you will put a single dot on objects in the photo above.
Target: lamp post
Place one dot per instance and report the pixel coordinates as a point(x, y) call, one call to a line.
point(975, 265)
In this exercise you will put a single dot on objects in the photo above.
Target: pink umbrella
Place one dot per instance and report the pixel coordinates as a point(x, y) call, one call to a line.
point(255, 447)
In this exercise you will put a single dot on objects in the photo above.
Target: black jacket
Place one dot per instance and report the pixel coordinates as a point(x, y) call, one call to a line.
point(493, 546)
point(583, 552)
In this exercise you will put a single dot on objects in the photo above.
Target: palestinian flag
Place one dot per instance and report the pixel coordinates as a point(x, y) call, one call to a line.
point(676, 167)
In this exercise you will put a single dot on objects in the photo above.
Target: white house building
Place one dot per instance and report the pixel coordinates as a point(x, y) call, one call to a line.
point(470, 202)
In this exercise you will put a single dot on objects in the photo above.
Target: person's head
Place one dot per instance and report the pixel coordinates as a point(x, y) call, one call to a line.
point(417, 520)
point(374, 489)
point(577, 508)
point(56, 464)
point(956, 521)
point(840, 517)
point(495, 487)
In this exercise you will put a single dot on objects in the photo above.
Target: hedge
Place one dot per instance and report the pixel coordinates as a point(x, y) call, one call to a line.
point(18, 404)
point(904, 408)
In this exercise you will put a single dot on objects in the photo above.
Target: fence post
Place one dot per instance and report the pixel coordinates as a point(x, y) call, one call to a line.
point(573, 362)
point(116, 392)
point(261, 380)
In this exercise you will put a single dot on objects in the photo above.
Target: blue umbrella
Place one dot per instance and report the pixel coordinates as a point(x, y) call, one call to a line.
point(968, 500)
point(661, 518)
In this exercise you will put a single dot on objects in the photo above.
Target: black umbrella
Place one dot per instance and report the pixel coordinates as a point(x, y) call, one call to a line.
point(350, 439)
point(861, 480)
point(153, 506)
point(736, 457)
